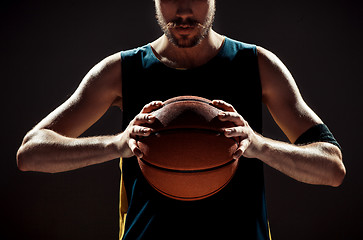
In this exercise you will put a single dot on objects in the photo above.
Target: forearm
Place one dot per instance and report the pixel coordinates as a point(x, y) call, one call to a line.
point(47, 151)
point(316, 163)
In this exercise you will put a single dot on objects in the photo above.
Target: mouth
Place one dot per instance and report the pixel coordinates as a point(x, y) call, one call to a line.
point(181, 25)
point(184, 30)
point(184, 27)
point(184, 24)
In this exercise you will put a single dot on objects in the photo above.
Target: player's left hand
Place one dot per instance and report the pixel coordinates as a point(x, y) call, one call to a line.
point(248, 138)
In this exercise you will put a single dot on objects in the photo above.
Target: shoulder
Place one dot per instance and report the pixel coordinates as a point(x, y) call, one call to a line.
point(282, 96)
point(104, 79)
point(240, 53)
point(107, 71)
point(268, 59)
point(274, 75)
point(110, 64)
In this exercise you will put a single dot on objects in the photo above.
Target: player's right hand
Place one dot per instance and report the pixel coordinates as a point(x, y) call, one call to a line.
point(128, 143)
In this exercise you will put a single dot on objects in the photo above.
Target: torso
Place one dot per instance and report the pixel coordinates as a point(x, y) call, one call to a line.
point(234, 65)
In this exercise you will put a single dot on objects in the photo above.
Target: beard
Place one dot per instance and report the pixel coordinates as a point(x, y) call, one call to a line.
point(186, 41)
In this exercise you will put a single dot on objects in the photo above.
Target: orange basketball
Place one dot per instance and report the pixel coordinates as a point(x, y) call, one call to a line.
point(188, 157)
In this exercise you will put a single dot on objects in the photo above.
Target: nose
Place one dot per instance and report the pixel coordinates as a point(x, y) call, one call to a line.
point(184, 9)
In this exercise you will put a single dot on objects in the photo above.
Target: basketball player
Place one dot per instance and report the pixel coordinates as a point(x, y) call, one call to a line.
point(190, 58)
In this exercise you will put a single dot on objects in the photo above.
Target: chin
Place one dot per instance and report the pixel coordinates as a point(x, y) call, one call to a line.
point(186, 41)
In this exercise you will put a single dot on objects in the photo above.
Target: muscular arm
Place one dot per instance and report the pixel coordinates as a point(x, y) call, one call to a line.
point(316, 163)
point(53, 146)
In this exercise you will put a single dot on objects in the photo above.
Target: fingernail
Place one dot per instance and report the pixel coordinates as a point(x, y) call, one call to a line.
point(150, 118)
point(146, 130)
point(227, 132)
point(237, 154)
point(138, 153)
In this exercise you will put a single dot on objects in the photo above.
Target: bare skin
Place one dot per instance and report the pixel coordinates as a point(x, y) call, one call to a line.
point(54, 145)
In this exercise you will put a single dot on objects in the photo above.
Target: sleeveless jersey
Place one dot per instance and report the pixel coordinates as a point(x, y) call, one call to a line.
point(238, 211)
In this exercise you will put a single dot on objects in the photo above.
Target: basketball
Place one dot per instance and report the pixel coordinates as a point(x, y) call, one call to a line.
point(188, 157)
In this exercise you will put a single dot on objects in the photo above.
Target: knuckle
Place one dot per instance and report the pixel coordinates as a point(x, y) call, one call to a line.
point(230, 114)
point(132, 143)
point(156, 103)
point(226, 114)
point(141, 130)
point(144, 117)
point(134, 129)
point(146, 131)
point(138, 130)
point(139, 117)
point(149, 105)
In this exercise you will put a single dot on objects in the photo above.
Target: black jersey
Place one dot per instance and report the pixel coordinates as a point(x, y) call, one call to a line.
point(238, 211)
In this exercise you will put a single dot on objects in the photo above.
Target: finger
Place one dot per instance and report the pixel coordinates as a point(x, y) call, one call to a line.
point(134, 148)
point(140, 131)
point(232, 117)
point(236, 132)
point(223, 105)
point(152, 106)
point(244, 144)
point(237, 154)
point(144, 118)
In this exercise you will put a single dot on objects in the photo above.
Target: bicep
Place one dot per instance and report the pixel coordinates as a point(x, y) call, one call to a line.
point(282, 97)
point(99, 89)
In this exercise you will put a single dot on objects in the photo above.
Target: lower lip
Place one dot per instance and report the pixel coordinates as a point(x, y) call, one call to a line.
point(184, 30)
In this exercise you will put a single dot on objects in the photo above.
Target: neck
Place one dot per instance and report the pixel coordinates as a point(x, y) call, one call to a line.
point(176, 57)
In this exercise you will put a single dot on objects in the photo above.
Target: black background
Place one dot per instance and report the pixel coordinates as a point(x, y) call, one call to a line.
point(48, 46)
